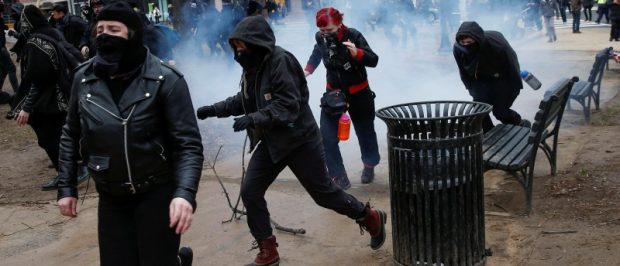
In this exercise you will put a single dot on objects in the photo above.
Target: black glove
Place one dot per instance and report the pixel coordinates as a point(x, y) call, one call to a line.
point(206, 111)
point(243, 123)
point(12, 33)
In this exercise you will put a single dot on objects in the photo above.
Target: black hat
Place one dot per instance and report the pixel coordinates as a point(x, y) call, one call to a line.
point(60, 8)
point(121, 11)
point(34, 17)
point(46, 6)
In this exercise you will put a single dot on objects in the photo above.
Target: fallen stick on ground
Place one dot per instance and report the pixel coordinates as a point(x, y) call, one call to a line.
point(235, 210)
point(501, 214)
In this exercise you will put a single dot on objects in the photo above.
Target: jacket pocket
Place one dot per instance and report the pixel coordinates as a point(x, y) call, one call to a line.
point(98, 163)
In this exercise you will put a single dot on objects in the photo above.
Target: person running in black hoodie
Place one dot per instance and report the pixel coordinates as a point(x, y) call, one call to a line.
point(489, 69)
point(273, 107)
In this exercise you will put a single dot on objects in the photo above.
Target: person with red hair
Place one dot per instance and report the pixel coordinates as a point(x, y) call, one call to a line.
point(346, 54)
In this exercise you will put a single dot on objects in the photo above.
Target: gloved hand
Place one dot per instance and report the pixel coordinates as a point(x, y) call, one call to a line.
point(243, 123)
point(12, 33)
point(206, 111)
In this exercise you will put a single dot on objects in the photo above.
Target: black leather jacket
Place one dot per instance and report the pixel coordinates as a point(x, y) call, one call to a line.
point(151, 133)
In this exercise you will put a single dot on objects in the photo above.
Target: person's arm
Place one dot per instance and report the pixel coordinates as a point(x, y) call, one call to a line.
point(69, 148)
point(464, 77)
point(314, 61)
point(182, 128)
point(232, 106)
point(365, 55)
point(512, 68)
point(283, 108)
point(39, 70)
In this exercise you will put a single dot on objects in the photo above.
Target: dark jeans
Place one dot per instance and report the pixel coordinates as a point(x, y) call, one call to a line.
point(7, 68)
point(615, 29)
point(587, 12)
point(134, 230)
point(602, 11)
point(501, 102)
point(563, 12)
point(362, 111)
point(308, 164)
point(48, 129)
point(576, 21)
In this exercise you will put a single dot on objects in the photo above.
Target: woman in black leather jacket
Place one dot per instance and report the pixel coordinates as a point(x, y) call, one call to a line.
point(130, 118)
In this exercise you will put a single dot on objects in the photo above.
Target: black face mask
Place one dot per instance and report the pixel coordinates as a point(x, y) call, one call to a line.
point(109, 54)
point(470, 49)
point(245, 59)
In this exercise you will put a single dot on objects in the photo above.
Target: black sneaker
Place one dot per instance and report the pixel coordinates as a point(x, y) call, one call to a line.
point(525, 123)
point(186, 256)
point(342, 182)
point(368, 175)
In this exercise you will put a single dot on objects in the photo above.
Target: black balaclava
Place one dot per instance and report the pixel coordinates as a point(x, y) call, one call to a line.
point(251, 57)
point(117, 55)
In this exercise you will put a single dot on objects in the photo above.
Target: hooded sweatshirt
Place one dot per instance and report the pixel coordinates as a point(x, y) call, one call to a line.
point(492, 63)
point(279, 95)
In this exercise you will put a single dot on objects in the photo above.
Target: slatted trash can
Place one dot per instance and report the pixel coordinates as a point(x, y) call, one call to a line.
point(436, 182)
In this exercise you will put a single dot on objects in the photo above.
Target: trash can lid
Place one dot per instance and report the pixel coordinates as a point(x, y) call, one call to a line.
point(434, 110)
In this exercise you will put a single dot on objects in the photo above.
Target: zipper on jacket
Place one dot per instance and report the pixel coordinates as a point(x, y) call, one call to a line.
point(124, 121)
point(162, 150)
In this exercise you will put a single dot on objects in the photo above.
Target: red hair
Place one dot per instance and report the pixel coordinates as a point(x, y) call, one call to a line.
point(328, 15)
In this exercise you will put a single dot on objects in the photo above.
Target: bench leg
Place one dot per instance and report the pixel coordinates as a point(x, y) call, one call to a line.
point(528, 182)
point(586, 108)
point(551, 155)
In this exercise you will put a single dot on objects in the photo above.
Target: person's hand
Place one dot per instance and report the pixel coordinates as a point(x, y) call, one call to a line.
point(351, 47)
point(206, 111)
point(306, 73)
point(85, 51)
point(22, 118)
point(12, 33)
point(181, 213)
point(242, 123)
point(68, 206)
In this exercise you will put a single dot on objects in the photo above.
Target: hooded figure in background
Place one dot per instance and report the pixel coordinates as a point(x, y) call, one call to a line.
point(272, 106)
point(489, 69)
point(131, 120)
point(7, 68)
point(42, 101)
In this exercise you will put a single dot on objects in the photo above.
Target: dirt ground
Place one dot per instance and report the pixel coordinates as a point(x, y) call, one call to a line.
point(575, 218)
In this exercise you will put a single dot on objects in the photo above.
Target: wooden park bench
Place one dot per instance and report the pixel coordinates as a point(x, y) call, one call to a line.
point(513, 148)
point(584, 92)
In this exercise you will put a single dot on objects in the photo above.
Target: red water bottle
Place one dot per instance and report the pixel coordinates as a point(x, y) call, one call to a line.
point(344, 127)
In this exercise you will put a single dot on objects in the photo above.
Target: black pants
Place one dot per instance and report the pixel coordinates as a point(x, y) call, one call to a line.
point(48, 129)
point(7, 68)
point(615, 29)
point(308, 164)
point(587, 12)
point(133, 230)
point(501, 102)
point(602, 11)
point(362, 111)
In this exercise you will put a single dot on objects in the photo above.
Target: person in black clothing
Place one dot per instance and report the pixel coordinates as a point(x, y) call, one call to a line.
point(131, 119)
point(614, 16)
point(72, 27)
point(587, 9)
point(86, 44)
point(43, 104)
point(489, 69)
point(7, 68)
point(273, 107)
point(346, 54)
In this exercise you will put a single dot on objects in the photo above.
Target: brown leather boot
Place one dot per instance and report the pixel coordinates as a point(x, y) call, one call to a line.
point(268, 253)
point(373, 223)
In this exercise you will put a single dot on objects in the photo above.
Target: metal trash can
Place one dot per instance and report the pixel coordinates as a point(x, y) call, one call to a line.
point(436, 182)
